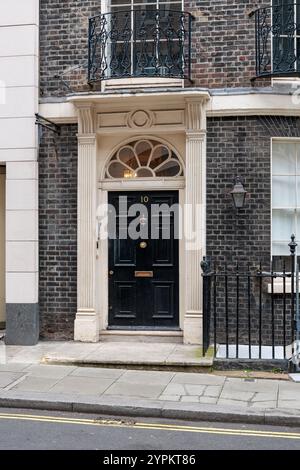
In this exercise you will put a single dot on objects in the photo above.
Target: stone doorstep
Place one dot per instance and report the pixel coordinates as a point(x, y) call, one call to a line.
point(203, 365)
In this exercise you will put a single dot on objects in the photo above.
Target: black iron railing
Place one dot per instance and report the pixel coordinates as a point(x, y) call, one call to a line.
point(277, 31)
point(140, 43)
point(249, 310)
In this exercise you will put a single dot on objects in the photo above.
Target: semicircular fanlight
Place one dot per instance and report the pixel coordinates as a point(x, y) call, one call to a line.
point(144, 159)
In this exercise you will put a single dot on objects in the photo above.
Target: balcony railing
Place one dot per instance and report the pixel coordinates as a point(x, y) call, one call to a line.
point(140, 43)
point(278, 40)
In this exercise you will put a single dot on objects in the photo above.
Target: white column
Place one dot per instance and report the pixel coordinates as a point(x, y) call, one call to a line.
point(195, 222)
point(19, 101)
point(87, 321)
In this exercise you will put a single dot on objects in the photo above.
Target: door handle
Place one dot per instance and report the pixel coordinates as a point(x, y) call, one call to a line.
point(143, 245)
point(111, 273)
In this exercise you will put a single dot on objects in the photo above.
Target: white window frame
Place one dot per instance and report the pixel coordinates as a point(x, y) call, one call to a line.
point(296, 36)
point(130, 4)
point(289, 140)
point(278, 285)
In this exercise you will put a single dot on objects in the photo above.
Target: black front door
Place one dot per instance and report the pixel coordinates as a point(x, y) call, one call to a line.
point(143, 260)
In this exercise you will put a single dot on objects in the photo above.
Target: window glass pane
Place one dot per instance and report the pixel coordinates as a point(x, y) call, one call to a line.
point(298, 158)
point(297, 231)
point(298, 191)
point(284, 158)
point(144, 173)
point(283, 191)
point(283, 224)
point(143, 151)
point(159, 156)
point(284, 15)
point(280, 249)
point(117, 170)
point(120, 2)
point(171, 168)
point(127, 156)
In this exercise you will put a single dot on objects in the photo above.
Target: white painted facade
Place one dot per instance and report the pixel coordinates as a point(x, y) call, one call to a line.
point(19, 61)
point(2, 245)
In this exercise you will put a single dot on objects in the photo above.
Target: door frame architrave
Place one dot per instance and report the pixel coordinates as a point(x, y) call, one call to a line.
point(106, 186)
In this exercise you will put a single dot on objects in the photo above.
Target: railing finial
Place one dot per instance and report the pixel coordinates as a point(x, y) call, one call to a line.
point(205, 264)
point(293, 245)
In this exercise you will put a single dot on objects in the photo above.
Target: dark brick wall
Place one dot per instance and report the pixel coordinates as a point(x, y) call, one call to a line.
point(58, 233)
point(238, 146)
point(64, 44)
point(223, 45)
point(223, 52)
point(241, 146)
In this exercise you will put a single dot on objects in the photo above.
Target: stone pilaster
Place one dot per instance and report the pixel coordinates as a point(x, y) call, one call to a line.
point(87, 321)
point(194, 217)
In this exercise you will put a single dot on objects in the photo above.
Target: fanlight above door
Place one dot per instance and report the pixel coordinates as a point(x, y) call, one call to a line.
point(144, 159)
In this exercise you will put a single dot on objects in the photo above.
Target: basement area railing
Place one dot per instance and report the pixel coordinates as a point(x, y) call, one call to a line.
point(251, 310)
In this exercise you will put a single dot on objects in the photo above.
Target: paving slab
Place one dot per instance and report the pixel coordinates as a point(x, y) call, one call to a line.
point(35, 384)
point(7, 378)
point(210, 400)
point(13, 367)
point(169, 397)
point(289, 391)
point(264, 396)
point(194, 389)
point(196, 378)
point(145, 377)
point(190, 399)
point(291, 404)
point(252, 385)
point(264, 404)
point(175, 389)
point(230, 402)
point(55, 372)
point(212, 391)
point(79, 386)
point(97, 372)
point(241, 396)
point(130, 389)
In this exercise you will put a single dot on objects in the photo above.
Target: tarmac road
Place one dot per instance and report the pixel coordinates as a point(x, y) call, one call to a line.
point(24, 429)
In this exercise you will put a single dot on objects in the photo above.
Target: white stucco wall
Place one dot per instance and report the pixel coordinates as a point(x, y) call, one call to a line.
point(19, 33)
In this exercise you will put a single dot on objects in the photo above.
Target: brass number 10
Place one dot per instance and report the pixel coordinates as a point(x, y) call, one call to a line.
point(144, 199)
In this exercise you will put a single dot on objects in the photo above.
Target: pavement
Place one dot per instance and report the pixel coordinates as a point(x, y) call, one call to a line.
point(111, 353)
point(28, 380)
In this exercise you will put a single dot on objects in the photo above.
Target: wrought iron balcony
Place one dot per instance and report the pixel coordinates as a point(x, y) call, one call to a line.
point(140, 43)
point(278, 39)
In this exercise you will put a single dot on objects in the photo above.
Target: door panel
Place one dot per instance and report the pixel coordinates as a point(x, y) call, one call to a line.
point(124, 253)
point(163, 294)
point(144, 272)
point(125, 293)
